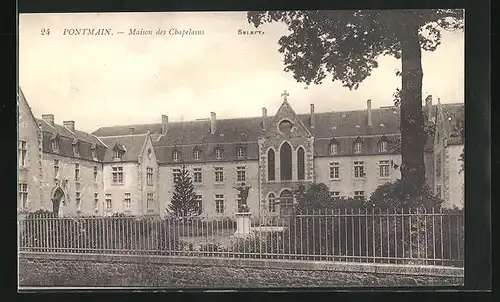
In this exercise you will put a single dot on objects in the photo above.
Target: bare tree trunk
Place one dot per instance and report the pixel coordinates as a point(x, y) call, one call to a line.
point(412, 120)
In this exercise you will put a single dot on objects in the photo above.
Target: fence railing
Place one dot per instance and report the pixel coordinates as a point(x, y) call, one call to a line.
point(400, 237)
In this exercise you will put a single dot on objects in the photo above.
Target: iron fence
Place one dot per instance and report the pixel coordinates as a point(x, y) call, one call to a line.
point(401, 237)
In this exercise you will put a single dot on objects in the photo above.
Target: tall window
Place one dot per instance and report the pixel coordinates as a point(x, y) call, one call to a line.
point(270, 165)
point(117, 175)
point(383, 168)
point(241, 153)
point(197, 154)
point(438, 191)
point(96, 202)
point(358, 147)
point(176, 156)
point(150, 201)
point(240, 174)
point(78, 201)
point(175, 174)
point(359, 195)
point(438, 165)
point(219, 174)
point(199, 200)
point(95, 173)
point(333, 148)
point(77, 171)
point(300, 164)
point(334, 170)
point(23, 150)
point(23, 195)
point(128, 201)
point(382, 147)
point(271, 202)
point(286, 161)
point(149, 176)
point(56, 168)
point(109, 203)
point(197, 176)
point(219, 203)
point(359, 169)
point(218, 153)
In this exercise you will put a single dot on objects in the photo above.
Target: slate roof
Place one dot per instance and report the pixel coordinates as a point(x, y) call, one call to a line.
point(344, 126)
point(327, 124)
point(67, 138)
point(132, 144)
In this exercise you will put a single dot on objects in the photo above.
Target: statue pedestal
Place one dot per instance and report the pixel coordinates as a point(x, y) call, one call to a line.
point(243, 224)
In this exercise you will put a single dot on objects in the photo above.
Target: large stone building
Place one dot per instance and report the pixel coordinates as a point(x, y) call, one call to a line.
point(131, 168)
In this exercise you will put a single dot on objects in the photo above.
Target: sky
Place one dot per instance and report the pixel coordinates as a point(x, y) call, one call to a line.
point(125, 79)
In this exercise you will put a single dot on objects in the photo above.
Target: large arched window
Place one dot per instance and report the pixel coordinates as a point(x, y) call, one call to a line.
point(270, 165)
point(300, 164)
point(286, 161)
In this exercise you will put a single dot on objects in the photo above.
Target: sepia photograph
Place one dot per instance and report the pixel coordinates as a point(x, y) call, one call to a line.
point(241, 150)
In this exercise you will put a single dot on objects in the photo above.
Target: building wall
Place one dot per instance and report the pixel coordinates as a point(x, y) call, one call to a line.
point(148, 160)
point(70, 186)
point(455, 184)
point(208, 188)
point(117, 191)
point(347, 184)
point(31, 172)
point(93, 270)
point(429, 169)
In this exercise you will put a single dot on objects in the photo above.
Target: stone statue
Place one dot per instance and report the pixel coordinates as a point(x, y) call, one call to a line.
point(243, 191)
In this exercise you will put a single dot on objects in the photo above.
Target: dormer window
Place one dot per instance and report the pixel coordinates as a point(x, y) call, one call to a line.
point(358, 147)
point(118, 152)
point(197, 154)
point(219, 154)
point(55, 143)
point(176, 155)
point(150, 153)
point(93, 151)
point(382, 146)
point(76, 148)
point(333, 148)
point(240, 152)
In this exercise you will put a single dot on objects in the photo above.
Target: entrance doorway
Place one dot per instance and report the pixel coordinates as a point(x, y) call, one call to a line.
point(286, 202)
point(58, 202)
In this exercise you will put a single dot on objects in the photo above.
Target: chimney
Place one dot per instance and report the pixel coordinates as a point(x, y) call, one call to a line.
point(164, 124)
point(131, 130)
point(264, 118)
point(312, 116)
point(70, 125)
point(369, 111)
point(48, 118)
point(212, 123)
point(428, 106)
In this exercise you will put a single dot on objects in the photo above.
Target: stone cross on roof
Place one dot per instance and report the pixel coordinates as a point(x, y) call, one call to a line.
point(284, 95)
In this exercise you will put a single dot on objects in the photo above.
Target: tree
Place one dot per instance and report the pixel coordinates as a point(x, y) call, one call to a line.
point(316, 197)
point(346, 44)
point(389, 196)
point(184, 202)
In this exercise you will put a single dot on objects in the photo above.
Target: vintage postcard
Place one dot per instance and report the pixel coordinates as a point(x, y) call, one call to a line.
point(237, 150)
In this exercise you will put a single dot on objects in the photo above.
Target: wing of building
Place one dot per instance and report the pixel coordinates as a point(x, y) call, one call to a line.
point(131, 168)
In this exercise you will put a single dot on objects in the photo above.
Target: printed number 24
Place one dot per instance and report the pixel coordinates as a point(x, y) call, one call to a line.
point(45, 32)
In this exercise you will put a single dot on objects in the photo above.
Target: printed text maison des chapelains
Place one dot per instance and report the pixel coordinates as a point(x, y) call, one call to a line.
point(132, 32)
